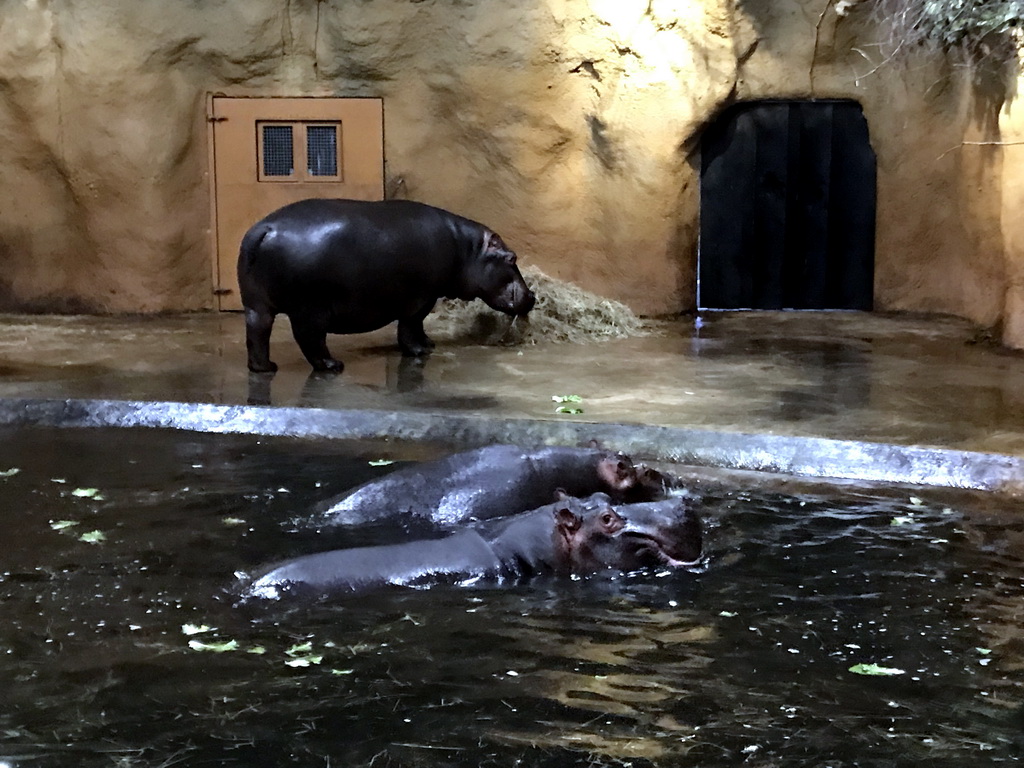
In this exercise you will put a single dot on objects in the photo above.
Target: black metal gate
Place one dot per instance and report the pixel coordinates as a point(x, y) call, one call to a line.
point(787, 208)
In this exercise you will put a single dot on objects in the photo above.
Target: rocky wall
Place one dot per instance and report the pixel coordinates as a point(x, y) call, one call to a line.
point(1011, 149)
point(938, 244)
point(570, 126)
point(558, 123)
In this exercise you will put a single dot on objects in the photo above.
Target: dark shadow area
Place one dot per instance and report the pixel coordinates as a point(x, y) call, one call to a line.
point(787, 207)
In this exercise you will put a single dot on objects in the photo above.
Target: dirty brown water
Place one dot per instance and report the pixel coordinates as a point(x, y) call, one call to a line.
point(745, 663)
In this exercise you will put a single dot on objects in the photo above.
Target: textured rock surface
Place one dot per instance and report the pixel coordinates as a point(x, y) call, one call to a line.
point(570, 126)
point(938, 245)
point(533, 117)
point(1011, 131)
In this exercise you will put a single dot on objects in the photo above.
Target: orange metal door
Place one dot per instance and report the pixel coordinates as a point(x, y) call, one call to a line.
point(268, 152)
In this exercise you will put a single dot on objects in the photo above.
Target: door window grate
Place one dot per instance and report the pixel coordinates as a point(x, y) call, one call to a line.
point(299, 151)
point(322, 150)
point(278, 150)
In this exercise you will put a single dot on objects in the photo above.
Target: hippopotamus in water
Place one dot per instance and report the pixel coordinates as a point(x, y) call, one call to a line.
point(352, 266)
point(491, 482)
point(570, 537)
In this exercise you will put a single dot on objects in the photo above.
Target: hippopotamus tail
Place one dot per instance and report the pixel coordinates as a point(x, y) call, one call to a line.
point(251, 243)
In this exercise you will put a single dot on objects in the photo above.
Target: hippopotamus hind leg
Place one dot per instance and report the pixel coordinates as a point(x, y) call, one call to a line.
point(310, 332)
point(258, 325)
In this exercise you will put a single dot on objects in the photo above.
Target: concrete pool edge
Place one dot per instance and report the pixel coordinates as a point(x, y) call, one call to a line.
point(801, 456)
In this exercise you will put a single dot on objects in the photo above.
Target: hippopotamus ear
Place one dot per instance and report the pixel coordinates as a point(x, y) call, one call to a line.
point(493, 242)
point(560, 494)
point(495, 246)
point(566, 520)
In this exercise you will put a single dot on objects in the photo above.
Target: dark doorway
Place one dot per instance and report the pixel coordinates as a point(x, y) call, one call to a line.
point(787, 208)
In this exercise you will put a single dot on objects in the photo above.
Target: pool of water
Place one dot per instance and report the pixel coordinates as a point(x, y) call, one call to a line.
point(121, 645)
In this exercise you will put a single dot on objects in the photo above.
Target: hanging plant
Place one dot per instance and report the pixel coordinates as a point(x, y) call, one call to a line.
point(978, 29)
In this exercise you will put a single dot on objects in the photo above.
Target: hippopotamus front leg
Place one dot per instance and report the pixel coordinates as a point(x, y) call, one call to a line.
point(412, 339)
point(310, 332)
point(258, 325)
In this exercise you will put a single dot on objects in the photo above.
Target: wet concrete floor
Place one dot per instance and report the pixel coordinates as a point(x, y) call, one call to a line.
point(934, 382)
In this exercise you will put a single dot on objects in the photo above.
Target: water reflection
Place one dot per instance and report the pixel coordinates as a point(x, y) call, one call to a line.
point(390, 380)
point(627, 667)
point(835, 377)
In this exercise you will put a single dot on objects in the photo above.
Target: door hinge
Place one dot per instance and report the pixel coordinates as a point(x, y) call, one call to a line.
point(222, 291)
point(215, 119)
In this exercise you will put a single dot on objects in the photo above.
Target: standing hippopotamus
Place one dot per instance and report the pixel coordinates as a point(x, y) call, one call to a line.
point(352, 266)
point(491, 482)
point(570, 537)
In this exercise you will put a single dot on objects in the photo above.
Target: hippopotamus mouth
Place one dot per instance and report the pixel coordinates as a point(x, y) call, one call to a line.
point(521, 301)
point(657, 549)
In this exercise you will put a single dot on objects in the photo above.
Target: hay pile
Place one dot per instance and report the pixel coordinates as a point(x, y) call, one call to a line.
point(563, 313)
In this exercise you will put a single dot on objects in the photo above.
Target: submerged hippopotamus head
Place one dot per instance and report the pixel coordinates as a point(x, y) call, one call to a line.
point(492, 275)
point(594, 536)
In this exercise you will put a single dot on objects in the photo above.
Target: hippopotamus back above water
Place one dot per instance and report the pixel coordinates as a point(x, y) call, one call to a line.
point(352, 266)
point(570, 537)
point(491, 482)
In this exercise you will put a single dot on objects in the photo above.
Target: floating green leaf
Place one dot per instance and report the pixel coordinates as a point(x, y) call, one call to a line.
point(902, 520)
point(304, 661)
point(299, 649)
point(221, 647)
point(93, 537)
point(60, 525)
point(233, 521)
point(257, 650)
point(9, 472)
point(380, 462)
point(195, 629)
point(568, 409)
point(567, 398)
point(875, 669)
point(984, 651)
point(342, 671)
point(88, 493)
